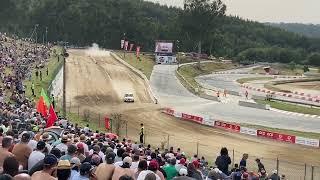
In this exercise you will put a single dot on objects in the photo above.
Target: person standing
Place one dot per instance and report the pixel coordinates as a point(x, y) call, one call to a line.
point(37, 155)
point(223, 161)
point(260, 165)
point(247, 94)
point(47, 71)
point(22, 150)
point(4, 150)
point(53, 102)
point(141, 133)
point(243, 162)
point(49, 168)
point(32, 88)
point(40, 75)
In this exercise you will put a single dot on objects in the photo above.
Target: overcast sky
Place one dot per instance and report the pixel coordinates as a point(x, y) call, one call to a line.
point(301, 11)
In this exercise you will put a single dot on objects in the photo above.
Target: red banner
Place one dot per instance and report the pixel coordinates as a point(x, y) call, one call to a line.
point(192, 118)
point(138, 51)
point(169, 111)
point(131, 46)
point(277, 136)
point(107, 122)
point(227, 126)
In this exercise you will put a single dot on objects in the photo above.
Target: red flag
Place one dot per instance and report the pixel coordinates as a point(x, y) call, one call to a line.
point(41, 107)
point(107, 122)
point(52, 117)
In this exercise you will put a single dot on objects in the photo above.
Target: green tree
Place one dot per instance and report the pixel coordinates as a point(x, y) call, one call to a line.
point(314, 59)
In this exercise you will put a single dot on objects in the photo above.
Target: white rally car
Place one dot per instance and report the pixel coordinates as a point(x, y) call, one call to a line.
point(128, 97)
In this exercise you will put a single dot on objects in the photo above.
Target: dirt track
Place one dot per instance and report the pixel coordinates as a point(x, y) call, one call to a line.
point(99, 82)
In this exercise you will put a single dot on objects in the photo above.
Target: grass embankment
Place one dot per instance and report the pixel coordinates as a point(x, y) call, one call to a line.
point(282, 69)
point(291, 107)
point(245, 80)
point(285, 131)
point(273, 85)
point(53, 66)
point(144, 64)
point(189, 72)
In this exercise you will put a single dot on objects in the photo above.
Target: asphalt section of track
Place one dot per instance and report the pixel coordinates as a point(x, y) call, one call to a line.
point(90, 86)
point(171, 93)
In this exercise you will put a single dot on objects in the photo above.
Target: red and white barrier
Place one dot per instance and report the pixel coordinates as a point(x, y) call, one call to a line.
point(232, 127)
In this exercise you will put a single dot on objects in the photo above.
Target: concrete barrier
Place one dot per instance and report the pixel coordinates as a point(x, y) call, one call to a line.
point(206, 96)
point(254, 105)
point(235, 93)
point(258, 97)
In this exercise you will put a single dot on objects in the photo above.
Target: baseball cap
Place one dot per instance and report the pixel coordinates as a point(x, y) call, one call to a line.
point(153, 165)
point(182, 161)
point(127, 160)
point(41, 145)
point(75, 162)
point(183, 172)
point(196, 164)
point(64, 164)
point(50, 159)
point(80, 145)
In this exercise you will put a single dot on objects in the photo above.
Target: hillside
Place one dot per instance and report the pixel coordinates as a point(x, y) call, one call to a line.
point(104, 22)
point(309, 30)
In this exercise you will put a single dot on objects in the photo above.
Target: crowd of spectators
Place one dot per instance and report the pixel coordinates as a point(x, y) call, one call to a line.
point(28, 152)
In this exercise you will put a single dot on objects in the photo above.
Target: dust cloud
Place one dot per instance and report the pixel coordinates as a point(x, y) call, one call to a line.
point(94, 50)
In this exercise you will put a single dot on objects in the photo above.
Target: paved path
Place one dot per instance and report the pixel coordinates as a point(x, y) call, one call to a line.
point(171, 93)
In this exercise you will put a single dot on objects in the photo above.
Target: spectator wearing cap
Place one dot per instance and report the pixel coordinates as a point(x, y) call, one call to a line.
point(96, 150)
point(4, 150)
point(181, 164)
point(124, 169)
point(170, 169)
point(75, 166)
point(80, 151)
point(152, 169)
point(94, 158)
point(39, 165)
point(105, 170)
point(10, 166)
point(72, 149)
point(22, 151)
point(37, 155)
point(193, 172)
point(45, 138)
point(83, 139)
point(223, 161)
point(182, 175)
point(85, 172)
point(274, 175)
point(63, 170)
point(49, 168)
point(63, 146)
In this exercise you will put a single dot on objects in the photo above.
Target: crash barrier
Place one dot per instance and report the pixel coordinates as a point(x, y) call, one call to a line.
point(295, 95)
point(206, 96)
point(235, 93)
point(139, 73)
point(254, 105)
point(237, 128)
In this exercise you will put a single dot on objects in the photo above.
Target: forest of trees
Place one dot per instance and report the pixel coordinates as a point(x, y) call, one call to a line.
point(309, 30)
point(82, 22)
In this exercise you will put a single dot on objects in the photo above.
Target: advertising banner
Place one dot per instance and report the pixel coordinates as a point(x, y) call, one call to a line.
point(193, 118)
point(227, 126)
point(307, 141)
point(248, 131)
point(107, 122)
point(276, 136)
point(164, 47)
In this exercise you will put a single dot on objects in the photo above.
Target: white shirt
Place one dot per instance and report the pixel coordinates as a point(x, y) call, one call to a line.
point(62, 147)
point(32, 144)
point(100, 153)
point(134, 165)
point(34, 158)
point(143, 175)
point(118, 164)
